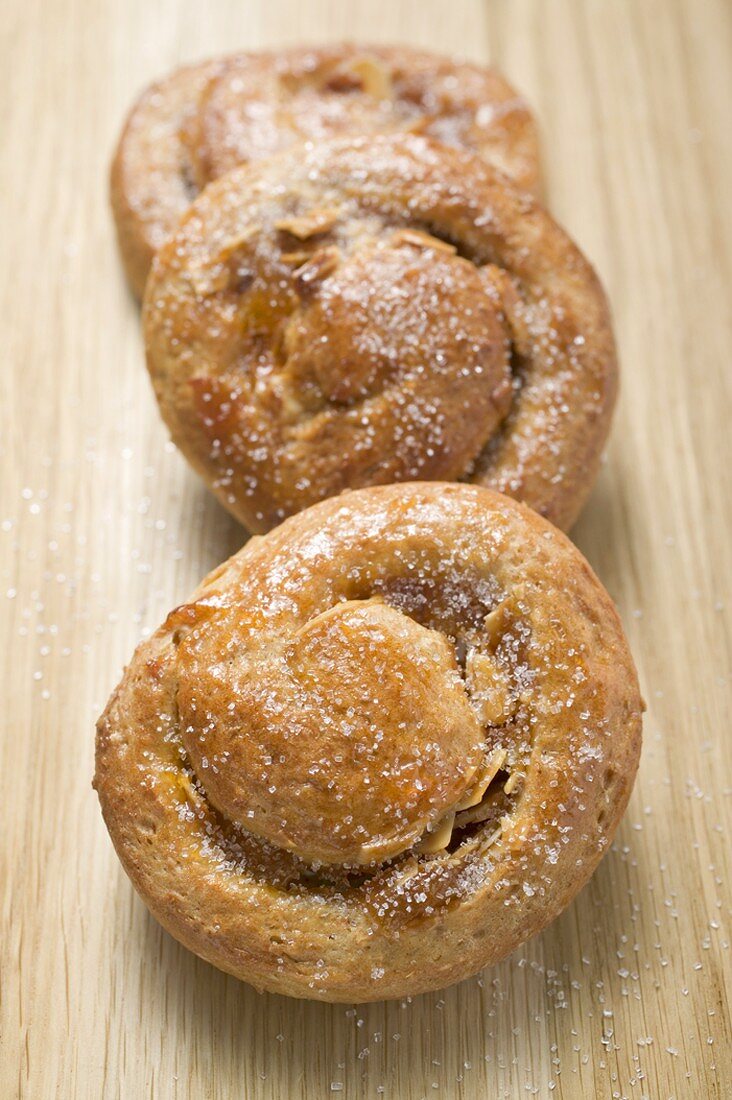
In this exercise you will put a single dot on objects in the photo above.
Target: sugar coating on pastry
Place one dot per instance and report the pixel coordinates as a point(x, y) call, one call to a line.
point(375, 310)
point(202, 120)
point(378, 748)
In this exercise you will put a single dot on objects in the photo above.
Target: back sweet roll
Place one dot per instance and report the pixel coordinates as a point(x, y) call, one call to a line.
point(200, 121)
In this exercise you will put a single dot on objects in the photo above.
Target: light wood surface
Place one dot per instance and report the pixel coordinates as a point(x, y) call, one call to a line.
point(103, 529)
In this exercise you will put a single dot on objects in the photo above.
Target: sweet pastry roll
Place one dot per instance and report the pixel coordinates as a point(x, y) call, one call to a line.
point(378, 748)
point(202, 120)
point(375, 310)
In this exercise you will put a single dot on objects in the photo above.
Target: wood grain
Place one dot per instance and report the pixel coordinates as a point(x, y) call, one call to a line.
point(102, 529)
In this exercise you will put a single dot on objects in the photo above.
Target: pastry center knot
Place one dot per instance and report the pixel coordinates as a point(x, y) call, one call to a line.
point(357, 739)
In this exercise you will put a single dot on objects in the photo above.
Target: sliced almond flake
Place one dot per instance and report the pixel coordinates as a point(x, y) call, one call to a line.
point(484, 778)
point(243, 237)
point(208, 278)
point(296, 259)
point(420, 124)
point(420, 239)
point(379, 850)
point(488, 689)
point(499, 619)
point(475, 814)
point(206, 281)
point(312, 224)
point(439, 837)
point(374, 78)
point(319, 266)
point(512, 782)
point(479, 842)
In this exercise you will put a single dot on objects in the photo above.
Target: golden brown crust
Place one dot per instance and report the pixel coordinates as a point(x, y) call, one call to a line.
point(277, 694)
point(152, 179)
point(375, 310)
point(196, 124)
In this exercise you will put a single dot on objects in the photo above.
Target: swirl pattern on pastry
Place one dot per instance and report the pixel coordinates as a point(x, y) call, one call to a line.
point(202, 120)
point(377, 310)
point(378, 748)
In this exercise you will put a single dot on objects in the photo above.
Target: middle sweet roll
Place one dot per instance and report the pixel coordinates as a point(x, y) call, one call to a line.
point(375, 310)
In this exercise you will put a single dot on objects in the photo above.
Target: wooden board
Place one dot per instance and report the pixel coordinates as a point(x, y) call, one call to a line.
point(103, 529)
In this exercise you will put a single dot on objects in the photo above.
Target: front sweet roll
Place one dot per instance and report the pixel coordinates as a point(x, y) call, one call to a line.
point(378, 748)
